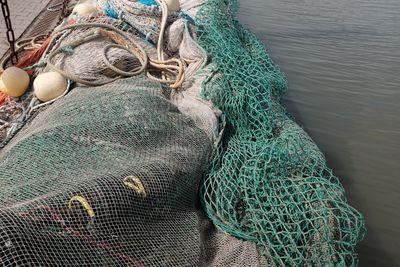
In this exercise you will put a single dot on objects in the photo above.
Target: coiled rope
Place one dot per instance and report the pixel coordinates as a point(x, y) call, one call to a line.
point(112, 32)
point(122, 40)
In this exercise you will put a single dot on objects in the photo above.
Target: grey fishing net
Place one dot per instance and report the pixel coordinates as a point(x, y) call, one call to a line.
point(86, 59)
point(137, 172)
point(104, 177)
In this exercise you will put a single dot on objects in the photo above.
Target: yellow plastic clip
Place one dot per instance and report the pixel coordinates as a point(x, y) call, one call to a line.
point(136, 184)
point(83, 202)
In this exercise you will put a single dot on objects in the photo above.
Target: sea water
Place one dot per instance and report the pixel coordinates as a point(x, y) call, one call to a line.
point(342, 61)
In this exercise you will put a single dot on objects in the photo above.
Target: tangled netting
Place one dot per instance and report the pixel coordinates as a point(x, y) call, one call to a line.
point(145, 19)
point(87, 60)
point(269, 183)
point(97, 180)
point(110, 175)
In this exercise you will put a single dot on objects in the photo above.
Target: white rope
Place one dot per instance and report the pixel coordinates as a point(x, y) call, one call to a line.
point(164, 10)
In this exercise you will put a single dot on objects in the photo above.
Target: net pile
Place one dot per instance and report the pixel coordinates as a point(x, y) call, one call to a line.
point(98, 180)
point(269, 183)
point(145, 19)
point(111, 175)
point(86, 60)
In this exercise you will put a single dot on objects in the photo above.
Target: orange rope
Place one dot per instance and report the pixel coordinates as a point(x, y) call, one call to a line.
point(33, 56)
point(3, 98)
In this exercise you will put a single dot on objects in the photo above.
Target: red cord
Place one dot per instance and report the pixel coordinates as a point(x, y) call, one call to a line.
point(58, 218)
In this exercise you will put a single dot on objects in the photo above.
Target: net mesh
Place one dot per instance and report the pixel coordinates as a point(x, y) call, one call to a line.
point(111, 175)
point(269, 183)
point(116, 190)
point(86, 61)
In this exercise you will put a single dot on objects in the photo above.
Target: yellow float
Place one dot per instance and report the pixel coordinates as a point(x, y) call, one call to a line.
point(50, 85)
point(84, 9)
point(14, 82)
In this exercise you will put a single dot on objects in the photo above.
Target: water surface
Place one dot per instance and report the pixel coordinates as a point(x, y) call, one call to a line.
point(342, 60)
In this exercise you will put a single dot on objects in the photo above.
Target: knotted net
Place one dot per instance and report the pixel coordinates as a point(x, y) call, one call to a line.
point(269, 182)
point(110, 175)
point(104, 177)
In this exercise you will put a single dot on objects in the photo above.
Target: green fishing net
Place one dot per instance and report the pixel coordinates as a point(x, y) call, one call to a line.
point(106, 176)
point(269, 182)
point(111, 175)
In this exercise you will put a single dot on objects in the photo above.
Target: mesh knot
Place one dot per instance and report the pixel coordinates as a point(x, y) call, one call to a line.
point(67, 49)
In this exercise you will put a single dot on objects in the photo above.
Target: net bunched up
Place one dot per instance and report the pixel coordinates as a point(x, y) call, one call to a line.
point(269, 183)
point(86, 61)
point(137, 173)
point(104, 177)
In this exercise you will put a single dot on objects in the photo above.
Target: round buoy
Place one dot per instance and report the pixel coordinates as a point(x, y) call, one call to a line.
point(50, 85)
point(14, 82)
point(173, 5)
point(84, 9)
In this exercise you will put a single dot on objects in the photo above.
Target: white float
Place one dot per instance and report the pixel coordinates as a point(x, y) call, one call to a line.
point(50, 85)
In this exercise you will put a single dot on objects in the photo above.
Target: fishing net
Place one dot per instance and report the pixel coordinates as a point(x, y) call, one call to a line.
point(86, 60)
point(144, 18)
point(269, 183)
point(98, 180)
point(110, 175)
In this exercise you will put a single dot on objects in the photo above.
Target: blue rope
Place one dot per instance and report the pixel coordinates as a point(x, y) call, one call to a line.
point(110, 12)
point(187, 17)
point(148, 2)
